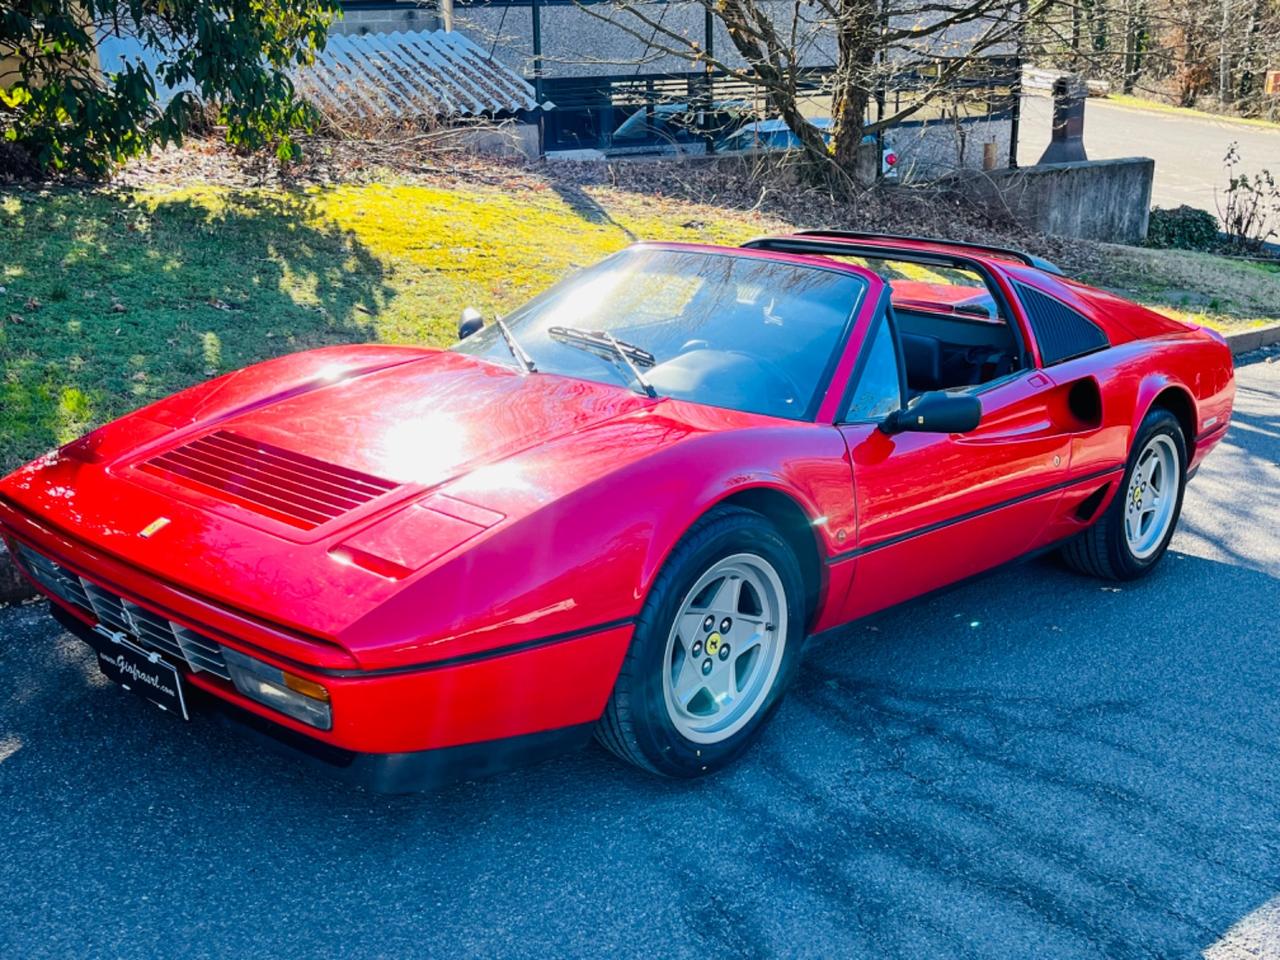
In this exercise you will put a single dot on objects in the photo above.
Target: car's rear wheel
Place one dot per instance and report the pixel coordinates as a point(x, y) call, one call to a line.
point(1133, 533)
point(714, 648)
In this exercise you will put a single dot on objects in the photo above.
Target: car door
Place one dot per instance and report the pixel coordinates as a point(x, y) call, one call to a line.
point(934, 508)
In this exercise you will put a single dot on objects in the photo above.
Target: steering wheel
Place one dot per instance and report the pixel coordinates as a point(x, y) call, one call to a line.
point(779, 376)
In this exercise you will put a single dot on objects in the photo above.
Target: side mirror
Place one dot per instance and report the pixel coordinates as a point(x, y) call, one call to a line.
point(471, 322)
point(936, 412)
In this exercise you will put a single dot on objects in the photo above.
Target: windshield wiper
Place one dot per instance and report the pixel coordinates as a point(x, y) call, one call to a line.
point(604, 343)
point(517, 351)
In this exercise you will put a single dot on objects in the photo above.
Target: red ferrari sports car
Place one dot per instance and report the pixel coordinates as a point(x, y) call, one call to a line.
point(620, 509)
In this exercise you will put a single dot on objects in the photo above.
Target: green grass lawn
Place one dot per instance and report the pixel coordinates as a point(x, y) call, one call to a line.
point(1198, 287)
point(115, 298)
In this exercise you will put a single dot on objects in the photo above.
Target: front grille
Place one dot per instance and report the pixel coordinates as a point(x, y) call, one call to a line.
point(267, 479)
point(119, 615)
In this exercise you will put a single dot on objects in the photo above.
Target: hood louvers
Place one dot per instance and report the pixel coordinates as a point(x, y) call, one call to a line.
point(286, 486)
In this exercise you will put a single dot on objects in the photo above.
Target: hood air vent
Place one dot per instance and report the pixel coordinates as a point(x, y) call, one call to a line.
point(294, 489)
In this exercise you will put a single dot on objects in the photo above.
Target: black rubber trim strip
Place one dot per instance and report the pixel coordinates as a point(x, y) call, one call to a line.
point(478, 655)
point(857, 237)
point(971, 515)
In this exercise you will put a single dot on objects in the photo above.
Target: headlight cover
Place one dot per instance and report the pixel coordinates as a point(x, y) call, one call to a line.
point(294, 696)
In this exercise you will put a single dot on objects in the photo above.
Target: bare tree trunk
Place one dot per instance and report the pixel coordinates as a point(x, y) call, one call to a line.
point(1135, 43)
point(859, 43)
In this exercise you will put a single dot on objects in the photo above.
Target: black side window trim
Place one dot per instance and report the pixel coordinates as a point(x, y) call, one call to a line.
point(884, 315)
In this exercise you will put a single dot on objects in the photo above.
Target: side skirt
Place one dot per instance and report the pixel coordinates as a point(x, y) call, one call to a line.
point(947, 588)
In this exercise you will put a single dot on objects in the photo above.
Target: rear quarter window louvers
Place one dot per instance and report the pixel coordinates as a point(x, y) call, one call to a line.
point(1061, 332)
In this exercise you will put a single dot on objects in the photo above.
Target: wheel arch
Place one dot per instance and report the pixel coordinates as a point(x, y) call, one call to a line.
point(1177, 400)
point(796, 527)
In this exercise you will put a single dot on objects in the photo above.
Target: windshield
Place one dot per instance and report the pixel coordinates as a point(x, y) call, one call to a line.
point(729, 331)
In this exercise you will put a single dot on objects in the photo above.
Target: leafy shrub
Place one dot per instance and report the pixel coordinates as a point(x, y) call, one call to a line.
point(65, 115)
point(1185, 228)
point(1250, 208)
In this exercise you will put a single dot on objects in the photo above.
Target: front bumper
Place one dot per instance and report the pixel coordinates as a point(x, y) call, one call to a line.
point(386, 773)
point(394, 730)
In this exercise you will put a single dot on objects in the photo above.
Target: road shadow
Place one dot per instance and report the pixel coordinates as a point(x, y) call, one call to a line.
point(1032, 764)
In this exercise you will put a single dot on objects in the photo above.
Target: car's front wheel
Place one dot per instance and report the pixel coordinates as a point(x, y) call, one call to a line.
point(715, 646)
point(1133, 533)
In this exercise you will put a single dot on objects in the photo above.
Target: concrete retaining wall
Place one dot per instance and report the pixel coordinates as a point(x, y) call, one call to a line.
point(1091, 199)
point(509, 139)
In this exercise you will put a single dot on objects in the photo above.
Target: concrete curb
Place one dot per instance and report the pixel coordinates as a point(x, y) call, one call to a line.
point(1246, 341)
point(13, 587)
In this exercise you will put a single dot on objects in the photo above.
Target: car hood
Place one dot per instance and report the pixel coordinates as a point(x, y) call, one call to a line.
point(318, 459)
point(261, 495)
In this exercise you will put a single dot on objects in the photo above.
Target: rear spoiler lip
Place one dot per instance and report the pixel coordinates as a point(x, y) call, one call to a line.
point(853, 236)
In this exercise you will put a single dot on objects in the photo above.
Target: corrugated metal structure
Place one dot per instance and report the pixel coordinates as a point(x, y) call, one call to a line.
point(435, 75)
point(405, 75)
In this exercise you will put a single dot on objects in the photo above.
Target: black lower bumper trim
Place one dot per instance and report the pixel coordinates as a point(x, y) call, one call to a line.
point(379, 772)
point(391, 773)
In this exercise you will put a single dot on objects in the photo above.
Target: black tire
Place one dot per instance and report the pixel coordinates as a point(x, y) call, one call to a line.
point(636, 725)
point(1103, 549)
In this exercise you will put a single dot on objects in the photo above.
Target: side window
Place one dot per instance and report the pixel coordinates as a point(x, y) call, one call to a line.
point(879, 391)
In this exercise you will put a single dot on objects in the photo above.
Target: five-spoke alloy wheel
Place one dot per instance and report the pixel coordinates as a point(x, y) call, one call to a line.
point(1150, 498)
point(714, 648)
point(725, 648)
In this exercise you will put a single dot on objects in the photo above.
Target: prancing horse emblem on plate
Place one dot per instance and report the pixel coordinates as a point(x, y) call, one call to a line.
point(154, 527)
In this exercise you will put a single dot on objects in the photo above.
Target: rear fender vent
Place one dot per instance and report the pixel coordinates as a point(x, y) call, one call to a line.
point(1061, 332)
point(286, 486)
point(1089, 505)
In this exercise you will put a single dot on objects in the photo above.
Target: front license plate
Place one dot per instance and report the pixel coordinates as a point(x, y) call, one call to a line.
point(143, 673)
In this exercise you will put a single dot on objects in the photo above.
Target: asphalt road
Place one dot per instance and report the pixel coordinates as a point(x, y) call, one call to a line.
point(1188, 150)
point(1033, 765)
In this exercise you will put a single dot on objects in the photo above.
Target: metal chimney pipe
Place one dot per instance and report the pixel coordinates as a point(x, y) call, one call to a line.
point(446, 15)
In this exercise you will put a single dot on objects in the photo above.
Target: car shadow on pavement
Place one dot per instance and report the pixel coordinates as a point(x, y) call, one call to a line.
point(1031, 764)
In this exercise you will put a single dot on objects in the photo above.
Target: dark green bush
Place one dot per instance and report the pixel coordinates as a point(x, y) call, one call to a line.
point(1186, 228)
point(63, 115)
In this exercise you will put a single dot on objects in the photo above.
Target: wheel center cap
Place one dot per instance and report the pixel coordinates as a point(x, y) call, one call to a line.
point(713, 643)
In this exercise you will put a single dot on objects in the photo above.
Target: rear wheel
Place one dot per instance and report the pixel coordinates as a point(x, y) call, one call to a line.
point(1133, 533)
point(714, 648)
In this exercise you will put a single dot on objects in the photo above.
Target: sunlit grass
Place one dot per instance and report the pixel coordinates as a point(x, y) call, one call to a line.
point(113, 299)
point(1200, 288)
point(1160, 106)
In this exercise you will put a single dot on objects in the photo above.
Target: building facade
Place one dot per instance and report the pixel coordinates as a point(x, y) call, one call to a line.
point(618, 86)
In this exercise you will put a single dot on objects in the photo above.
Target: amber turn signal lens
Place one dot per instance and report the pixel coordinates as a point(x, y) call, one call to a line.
point(308, 688)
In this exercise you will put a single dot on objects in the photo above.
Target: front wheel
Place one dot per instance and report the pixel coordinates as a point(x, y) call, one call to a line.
point(1133, 533)
point(714, 648)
